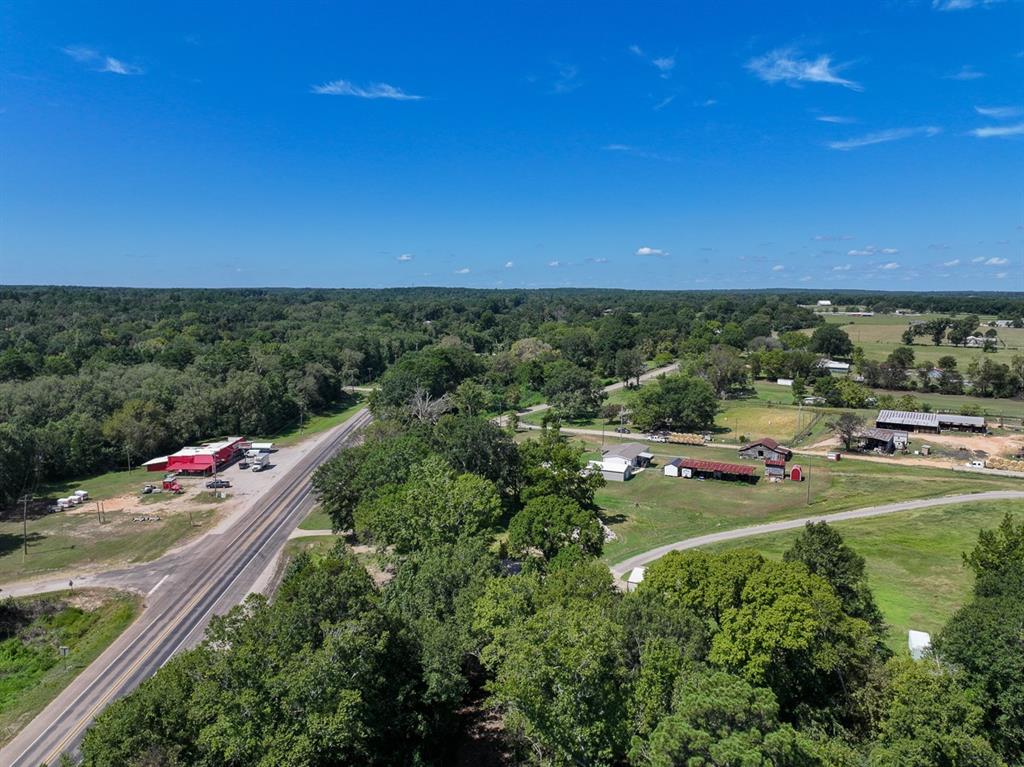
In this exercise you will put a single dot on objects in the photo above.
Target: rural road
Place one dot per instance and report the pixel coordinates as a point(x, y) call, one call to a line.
point(654, 373)
point(620, 569)
point(184, 589)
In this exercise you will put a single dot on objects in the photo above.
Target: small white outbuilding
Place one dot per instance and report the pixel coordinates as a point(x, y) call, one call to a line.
point(635, 578)
point(919, 643)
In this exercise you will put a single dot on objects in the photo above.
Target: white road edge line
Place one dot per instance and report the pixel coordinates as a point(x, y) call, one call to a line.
point(158, 585)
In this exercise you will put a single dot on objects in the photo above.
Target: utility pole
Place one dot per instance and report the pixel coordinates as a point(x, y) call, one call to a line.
point(24, 525)
point(807, 476)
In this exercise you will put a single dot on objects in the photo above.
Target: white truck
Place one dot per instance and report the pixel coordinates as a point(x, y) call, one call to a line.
point(260, 461)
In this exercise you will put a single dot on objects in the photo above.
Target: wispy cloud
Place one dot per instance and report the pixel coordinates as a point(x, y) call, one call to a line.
point(567, 80)
point(966, 72)
point(463, 270)
point(600, 260)
point(778, 268)
point(371, 91)
point(831, 237)
point(806, 278)
point(86, 55)
point(118, 67)
point(872, 250)
point(509, 264)
point(997, 261)
point(998, 131)
point(999, 113)
point(664, 64)
point(637, 152)
point(882, 137)
point(664, 103)
point(890, 265)
point(843, 268)
point(961, 5)
point(977, 259)
point(784, 65)
point(405, 257)
point(554, 264)
point(81, 53)
point(837, 119)
point(1001, 275)
point(646, 251)
point(954, 262)
point(709, 102)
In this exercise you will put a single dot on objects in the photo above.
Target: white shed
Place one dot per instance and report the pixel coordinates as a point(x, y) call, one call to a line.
point(919, 643)
point(635, 578)
point(673, 468)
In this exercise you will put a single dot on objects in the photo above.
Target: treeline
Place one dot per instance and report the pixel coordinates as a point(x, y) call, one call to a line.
point(716, 659)
point(92, 379)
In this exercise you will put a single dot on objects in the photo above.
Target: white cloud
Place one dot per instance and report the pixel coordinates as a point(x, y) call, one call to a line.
point(998, 131)
point(861, 252)
point(843, 268)
point(554, 264)
point(463, 270)
point(966, 72)
point(961, 5)
point(997, 261)
point(646, 251)
point(837, 119)
point(785, 65)
point(889, 251)
point(807, 278)
point(117, 67)
point(778, 268)
point(109, 64)
point(831, 237)
point(509, 264)
point(406, 257)
point(664, 103)
point(977, 260)
point(890, 265)
point(881, 137)
point(999, 113)
point(81, 53)
point(709, 102)
point(372, 91)
point(1001, 275)
point(665, 64)
point(954, 262)
point(567, 80)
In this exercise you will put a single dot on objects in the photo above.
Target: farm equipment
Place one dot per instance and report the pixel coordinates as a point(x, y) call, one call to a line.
point(172, 486)
point(677, 438)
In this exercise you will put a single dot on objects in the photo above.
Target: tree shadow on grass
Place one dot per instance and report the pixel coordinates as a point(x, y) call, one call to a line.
point(12, 543)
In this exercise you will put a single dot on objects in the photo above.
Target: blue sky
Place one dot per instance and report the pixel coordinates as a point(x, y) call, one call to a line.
point(670, 145)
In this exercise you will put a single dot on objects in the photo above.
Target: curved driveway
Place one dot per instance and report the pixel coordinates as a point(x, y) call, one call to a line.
point(620, 569)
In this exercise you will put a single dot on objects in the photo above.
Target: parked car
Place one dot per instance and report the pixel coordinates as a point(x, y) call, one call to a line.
point(621, 430)
point(214, 484)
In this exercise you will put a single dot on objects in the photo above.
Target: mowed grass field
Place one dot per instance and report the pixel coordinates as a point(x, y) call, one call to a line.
point(878, 336)
point(652, 509)
point(77, 539)
point(914, 562)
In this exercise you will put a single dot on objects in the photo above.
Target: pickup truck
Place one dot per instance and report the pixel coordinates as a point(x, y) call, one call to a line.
point(214, 484)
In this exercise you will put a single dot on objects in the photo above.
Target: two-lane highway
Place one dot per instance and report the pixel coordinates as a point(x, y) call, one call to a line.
point(194, 584)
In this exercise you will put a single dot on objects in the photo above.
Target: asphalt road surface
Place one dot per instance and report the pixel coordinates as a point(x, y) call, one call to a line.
point(188, 587)
point(647, 557)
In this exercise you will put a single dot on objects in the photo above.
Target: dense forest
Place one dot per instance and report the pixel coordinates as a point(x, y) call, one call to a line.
point(491, 634)
point(94, 378)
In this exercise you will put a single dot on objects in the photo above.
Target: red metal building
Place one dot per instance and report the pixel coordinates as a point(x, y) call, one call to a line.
point(201, 459)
